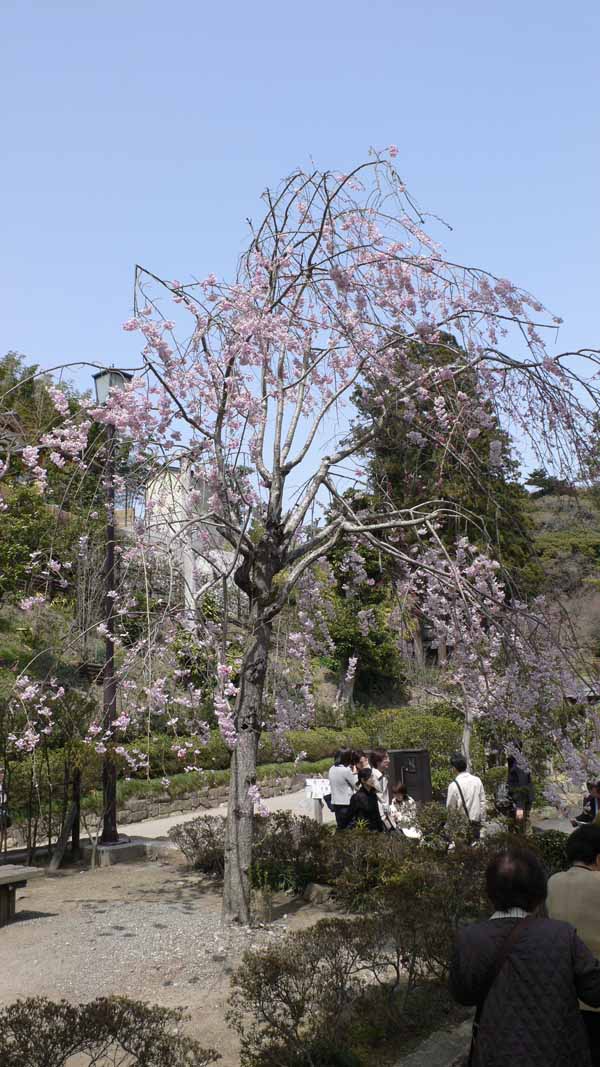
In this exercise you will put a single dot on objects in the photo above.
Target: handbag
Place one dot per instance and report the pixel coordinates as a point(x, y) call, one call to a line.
point(505, 950)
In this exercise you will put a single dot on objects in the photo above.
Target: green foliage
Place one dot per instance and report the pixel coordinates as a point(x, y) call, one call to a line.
point(202, 842)
point(353, 983)
point(551, 846)
point(413, 728)
point(492, 508)
point(289, 851)
point(548, 484)
point(41, 1033)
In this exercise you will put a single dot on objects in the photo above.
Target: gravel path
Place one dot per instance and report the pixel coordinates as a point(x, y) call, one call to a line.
point(146, 930)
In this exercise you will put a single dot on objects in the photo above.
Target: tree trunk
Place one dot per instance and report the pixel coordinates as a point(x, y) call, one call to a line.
point(418, 646)
point(345, 691)
point(466, 737)
point(238, 839)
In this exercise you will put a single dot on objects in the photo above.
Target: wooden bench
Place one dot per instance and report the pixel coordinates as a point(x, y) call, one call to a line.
point(11, 879)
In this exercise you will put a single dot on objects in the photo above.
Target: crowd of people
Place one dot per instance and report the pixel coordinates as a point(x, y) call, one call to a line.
point(361, 793)
point(532, 970)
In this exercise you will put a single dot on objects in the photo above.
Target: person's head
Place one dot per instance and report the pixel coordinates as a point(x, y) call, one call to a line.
point(365, 777)
point(345, 757)
point(459, 762)
point(360, 760)
point(400, 793)
point(584, 846)
point(380, 760)
point(336, 759)
point(515, 878)
point(593, 788)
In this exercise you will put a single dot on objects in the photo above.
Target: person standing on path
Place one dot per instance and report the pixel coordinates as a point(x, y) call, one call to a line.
point(520, 790)
point(342, 780)
point(364, 804)
point(574, 897)
point(466, 794)
point(524, 974)
point(4, 819)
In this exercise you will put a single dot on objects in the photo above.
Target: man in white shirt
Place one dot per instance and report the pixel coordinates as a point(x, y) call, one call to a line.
point(343, 783)
point(466, 794)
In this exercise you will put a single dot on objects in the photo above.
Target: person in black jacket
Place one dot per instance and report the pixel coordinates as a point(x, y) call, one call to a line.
point(528, 1009)
point(520, 791)
point(364, 805)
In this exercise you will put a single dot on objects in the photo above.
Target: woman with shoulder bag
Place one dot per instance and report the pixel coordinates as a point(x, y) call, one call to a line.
point(524, 974)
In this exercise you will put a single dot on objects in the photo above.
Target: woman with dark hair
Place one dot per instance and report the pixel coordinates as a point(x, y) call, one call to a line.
point(364, 805)
point(342, 780)
point(524, 974)
point(403, 813)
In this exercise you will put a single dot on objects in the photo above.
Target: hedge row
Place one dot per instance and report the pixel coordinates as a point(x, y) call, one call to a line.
point(394, 728)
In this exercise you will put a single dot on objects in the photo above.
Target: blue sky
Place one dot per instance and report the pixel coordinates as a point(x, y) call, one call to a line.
point(145, 132)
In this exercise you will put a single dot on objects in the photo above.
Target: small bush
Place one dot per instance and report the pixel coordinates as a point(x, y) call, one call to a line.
point(41, 1033)
point(202, 842)
point(289, 851)
point(551, 846)
point(299, 992)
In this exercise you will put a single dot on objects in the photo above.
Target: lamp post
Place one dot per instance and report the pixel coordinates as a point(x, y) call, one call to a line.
point(104, 381)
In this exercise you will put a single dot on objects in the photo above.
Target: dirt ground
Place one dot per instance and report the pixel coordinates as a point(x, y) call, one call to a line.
point(151, 931)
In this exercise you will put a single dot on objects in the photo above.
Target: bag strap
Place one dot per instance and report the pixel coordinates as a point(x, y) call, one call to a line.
point(462, 797)
point(501, 958)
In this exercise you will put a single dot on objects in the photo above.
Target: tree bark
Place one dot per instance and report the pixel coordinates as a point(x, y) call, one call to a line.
point(466, 737)
point(418, 646)
point(345, 691)
point(240, 816)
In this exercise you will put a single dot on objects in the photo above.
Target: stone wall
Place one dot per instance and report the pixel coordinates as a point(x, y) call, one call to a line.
point(159, 805)
point(137, 809)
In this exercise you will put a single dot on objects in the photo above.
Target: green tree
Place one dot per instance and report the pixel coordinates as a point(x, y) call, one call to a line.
point(410, 461)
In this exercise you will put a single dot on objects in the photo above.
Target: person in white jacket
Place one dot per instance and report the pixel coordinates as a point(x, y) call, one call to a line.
point(466, 794)
point(342, 780)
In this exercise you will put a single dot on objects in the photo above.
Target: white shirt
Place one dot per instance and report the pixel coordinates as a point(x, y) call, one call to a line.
point(474, 794)
point(342, 781)
point(381, 788)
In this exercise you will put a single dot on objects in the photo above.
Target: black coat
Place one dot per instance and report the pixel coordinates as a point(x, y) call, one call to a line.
point(364, 807)
point(531, 1015)
point(520, 787)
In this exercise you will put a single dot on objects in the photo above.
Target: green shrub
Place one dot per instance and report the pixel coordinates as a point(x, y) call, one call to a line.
point(40, 1033)
point(323, 742)
point(551, 846)
point(202, 842)
point(299, 992)
point(289, 851)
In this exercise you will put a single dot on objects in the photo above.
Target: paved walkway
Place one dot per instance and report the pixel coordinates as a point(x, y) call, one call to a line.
point(157, 828)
